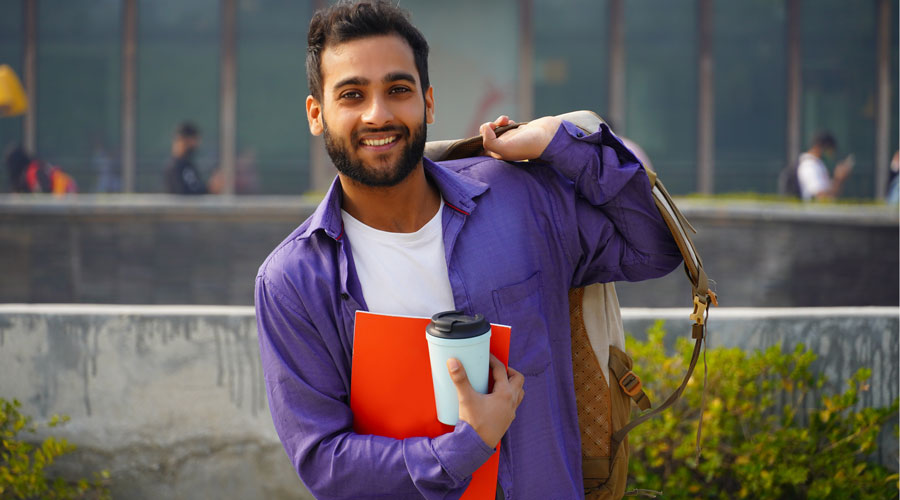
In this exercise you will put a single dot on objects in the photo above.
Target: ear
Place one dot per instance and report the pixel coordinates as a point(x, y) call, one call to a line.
point(429, 105)
point(314, 116)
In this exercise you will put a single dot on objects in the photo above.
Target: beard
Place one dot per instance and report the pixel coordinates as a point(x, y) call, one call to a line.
point(349, 164)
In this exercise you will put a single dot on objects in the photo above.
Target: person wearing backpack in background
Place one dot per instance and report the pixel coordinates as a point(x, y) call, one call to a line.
point(28, 174)
point(812, 175)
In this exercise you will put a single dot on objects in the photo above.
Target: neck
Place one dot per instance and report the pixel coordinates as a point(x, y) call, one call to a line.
point(403, 208)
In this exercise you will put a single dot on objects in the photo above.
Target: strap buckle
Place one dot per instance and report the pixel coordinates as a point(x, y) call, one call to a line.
point(699, 310)
point(631, 379)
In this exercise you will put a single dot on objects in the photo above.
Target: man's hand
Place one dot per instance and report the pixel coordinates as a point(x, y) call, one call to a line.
point(489, 414)
point(526, 142)
point(842, 169)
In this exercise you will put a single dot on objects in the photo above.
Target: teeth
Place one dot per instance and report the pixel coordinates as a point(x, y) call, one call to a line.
point(379, 142)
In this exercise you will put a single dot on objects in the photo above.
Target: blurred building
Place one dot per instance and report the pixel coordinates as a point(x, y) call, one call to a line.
point(721, 95)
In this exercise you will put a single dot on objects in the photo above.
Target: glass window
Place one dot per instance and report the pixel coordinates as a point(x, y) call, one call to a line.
point(178, 80)
point(473, 65)
point(750, 50)
point(839, 53)
point(79, 90)
point(11, 50)
point(272, 132)
point(661, 87)
point(570, 56)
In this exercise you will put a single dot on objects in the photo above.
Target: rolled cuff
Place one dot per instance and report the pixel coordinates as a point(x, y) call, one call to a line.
point(571, 147)
point(462, 451)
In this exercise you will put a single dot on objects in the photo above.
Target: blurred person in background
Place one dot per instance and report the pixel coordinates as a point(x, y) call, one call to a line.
point(181, 174)
point(28, 174)
point(893, 191)
point(106, 168)
point(246, 180)
point(812, 174)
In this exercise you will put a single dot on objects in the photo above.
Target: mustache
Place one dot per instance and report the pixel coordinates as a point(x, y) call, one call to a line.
point(356, 134)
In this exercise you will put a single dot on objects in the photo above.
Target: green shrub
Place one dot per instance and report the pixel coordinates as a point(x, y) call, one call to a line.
point(770, 430)
point(23, 465)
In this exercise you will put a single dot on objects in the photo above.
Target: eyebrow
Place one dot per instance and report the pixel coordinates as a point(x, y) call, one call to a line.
point(388, 78)
point(353, 80)
point(398, 76)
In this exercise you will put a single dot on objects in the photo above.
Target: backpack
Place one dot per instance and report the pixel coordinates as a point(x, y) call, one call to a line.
point(788, 182)
point(604, 396)
point(40, 177)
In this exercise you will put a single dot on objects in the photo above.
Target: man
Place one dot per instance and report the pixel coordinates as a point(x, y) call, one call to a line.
point(812, 175)
point(181, 174)
point(400, 234)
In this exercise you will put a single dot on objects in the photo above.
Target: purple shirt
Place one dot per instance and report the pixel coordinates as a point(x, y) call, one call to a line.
point(517, 238)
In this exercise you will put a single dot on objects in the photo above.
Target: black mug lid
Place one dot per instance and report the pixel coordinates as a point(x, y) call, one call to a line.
point(456, 325)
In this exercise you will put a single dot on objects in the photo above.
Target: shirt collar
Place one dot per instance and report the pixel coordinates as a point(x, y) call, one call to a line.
point(458, 191)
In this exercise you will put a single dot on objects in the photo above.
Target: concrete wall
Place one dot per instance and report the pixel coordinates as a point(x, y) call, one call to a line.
point(180, 250)
point(786, 255)
point(171, 400)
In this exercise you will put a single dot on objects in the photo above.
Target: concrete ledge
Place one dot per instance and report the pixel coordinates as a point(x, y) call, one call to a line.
point(165, 249)
point(158, 204)
point(170, 399)
point(869, 214)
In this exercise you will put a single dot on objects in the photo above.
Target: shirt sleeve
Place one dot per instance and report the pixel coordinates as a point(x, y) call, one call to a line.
point(309, 400)
point(611, 229)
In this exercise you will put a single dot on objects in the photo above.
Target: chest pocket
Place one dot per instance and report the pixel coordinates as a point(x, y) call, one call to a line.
point(519, 306)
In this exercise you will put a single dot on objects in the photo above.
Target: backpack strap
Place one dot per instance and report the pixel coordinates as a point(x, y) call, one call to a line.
point(620, 365)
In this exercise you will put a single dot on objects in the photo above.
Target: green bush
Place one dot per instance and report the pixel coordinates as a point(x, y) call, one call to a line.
point(770, 430)
point(23, 465)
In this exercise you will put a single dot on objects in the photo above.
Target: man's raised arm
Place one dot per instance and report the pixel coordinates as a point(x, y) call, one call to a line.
point(616, 231)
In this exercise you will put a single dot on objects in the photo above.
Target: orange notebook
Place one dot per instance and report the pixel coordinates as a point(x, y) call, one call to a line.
point(391, 393)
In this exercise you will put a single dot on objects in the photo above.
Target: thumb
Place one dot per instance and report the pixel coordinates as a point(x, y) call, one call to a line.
point(489, 139)
point(459, 378)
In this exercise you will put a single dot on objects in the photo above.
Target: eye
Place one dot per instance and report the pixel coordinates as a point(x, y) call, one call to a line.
point(399, 89)
point(351, 94)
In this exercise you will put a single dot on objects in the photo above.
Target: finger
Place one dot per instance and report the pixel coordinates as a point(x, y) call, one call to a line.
point(516, 379)
point(514, 374)
point(498, 369)
point(517, 382)
point(459, 378)
point(487, 132)
point(501, 121)
point(489, 139)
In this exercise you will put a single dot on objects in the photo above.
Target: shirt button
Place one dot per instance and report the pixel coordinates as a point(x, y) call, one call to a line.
point(345, 296)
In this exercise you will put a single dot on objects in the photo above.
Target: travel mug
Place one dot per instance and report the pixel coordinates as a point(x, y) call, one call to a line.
point(452, 334)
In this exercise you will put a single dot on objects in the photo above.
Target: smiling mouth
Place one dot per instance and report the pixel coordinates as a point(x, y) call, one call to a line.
point(379, 142)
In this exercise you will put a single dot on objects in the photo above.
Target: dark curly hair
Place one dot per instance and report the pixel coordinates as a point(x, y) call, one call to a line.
point(347, 21)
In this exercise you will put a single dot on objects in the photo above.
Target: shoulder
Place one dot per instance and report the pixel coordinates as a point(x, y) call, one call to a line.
point(298, 263)
point(809, 162)
point(496, 172)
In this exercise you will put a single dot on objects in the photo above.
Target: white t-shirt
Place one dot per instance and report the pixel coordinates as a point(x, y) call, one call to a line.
point(401, 273)
point(812, 176)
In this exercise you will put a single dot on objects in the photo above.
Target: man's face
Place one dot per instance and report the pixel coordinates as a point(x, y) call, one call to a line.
point(185, 145)
point(373, 111)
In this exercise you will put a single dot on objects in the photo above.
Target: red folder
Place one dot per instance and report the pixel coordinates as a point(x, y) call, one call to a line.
point(391, 393)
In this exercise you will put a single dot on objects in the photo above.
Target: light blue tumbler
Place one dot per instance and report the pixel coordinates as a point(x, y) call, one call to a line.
point(452, 334)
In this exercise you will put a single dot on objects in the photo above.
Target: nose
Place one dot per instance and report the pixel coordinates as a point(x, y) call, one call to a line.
point(377, 112)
